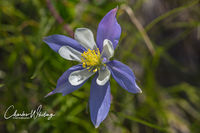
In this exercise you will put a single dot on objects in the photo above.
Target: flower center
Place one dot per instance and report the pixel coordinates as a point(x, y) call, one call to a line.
point(91, 60)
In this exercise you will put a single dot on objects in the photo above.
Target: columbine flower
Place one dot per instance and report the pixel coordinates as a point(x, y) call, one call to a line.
point(94, 59)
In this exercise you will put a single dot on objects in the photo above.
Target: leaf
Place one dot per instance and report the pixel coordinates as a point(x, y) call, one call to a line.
point(143, 122)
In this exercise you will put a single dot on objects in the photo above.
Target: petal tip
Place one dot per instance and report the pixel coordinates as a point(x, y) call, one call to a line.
point(117, 7)
point(49, 94)
point(96, 126)
point(139, 90)
point(114, 11)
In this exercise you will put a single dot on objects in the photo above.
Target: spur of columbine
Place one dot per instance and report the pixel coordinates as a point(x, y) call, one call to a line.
point(94, 58)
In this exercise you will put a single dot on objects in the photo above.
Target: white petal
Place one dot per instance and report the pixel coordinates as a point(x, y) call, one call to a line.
point(85, 37)
point(78, 77)
point(69, 53)
point(104, 76)
point(108, 49)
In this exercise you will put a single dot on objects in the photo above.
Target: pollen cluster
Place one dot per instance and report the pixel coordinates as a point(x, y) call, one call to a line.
point(91, 59)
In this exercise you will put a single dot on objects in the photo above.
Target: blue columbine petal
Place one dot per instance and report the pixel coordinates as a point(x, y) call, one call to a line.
point(100, 99)
point(63, 86)
point(124, 76)
point(57, 41)
point(108, 29)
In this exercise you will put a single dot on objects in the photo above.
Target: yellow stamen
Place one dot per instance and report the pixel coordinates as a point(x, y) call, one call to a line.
point(95, 70)
point(90, 59)
point(83, 64)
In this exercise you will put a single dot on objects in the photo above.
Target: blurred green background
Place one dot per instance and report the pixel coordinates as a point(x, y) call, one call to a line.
point(170, 79)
